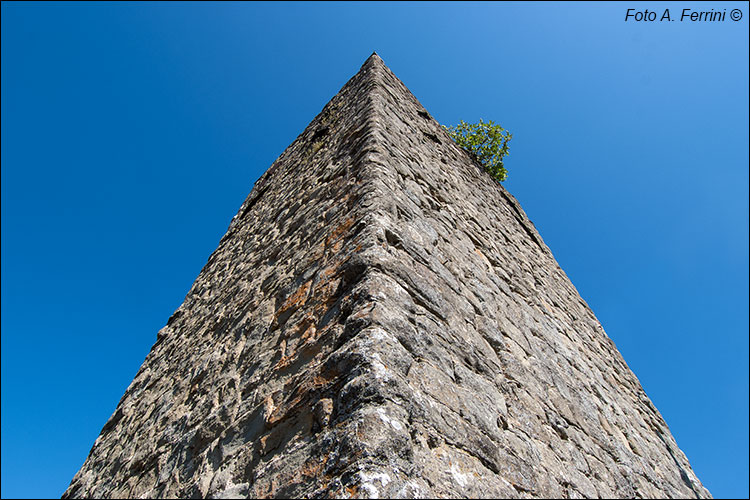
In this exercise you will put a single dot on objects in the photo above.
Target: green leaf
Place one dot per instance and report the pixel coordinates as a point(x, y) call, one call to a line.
point(487, 142)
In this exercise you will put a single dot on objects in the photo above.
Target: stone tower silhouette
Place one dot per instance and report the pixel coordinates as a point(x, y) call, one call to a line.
point(381, 319)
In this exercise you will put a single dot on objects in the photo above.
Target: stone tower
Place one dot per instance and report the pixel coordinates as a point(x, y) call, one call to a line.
point(381, 319)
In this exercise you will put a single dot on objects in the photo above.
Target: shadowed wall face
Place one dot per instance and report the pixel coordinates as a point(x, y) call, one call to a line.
point(382, 319)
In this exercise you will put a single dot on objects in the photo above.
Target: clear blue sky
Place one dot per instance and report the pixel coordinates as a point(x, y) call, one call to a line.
point(132, 132)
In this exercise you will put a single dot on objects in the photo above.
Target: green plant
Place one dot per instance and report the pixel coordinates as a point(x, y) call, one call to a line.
point(487, 142)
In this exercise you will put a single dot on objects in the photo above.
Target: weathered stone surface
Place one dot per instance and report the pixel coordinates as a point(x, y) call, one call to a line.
point(381, 319)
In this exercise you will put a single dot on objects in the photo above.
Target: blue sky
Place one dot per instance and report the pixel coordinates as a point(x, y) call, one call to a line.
point(132, 132)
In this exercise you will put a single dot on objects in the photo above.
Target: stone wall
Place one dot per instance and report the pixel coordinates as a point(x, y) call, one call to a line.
point(382, 319)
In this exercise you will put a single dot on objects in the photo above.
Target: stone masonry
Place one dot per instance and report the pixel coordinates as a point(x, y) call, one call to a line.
point(381, 319)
